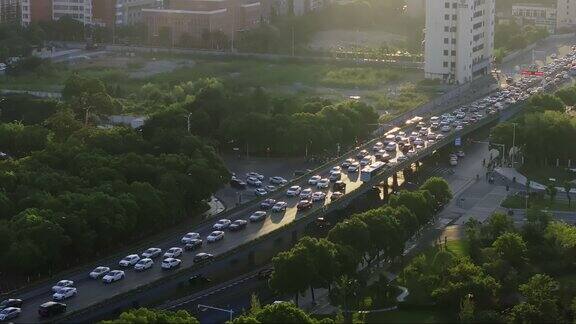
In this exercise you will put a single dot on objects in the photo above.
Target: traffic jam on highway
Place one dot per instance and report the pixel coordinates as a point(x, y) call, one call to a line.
point(319, 190)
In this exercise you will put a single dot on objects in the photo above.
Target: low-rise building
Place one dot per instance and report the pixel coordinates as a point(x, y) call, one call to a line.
point(566, 15)
point(195, 22)
point(535, 14)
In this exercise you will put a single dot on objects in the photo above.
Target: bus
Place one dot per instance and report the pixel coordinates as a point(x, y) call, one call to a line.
point(371, 170)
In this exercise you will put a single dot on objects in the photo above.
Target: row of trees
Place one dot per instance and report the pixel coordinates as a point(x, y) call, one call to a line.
point(256, 120)
point(546, 132)
point(70, 191)
point(508, 275)
point(511, 37)
point(376, 234)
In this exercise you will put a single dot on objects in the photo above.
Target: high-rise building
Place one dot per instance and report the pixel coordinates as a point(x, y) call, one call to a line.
point(566, 14)
point(535, 14)
point(36, 10)
point(10, 12)
point(459, 39)
point(80, 10)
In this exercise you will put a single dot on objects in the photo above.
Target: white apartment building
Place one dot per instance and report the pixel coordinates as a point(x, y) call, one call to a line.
point(80, 10)
point(26, 14)
point(566, 14)
point(459, 39)
point(535, 14)
point(129, 12)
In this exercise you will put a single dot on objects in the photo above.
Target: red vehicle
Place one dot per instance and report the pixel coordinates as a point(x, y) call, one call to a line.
point(304, 205)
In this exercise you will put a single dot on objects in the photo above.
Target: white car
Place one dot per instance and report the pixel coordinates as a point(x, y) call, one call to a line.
point(189, 237)
point(279, 206)
point(354, 167)
point(336, 169)
point(65, 293)
point(314, 180)
point(323, 183)
point(278, 180)
point(99, 272)
point(151, 253)
point(255, 175)
point(215, 236)
point(9, 313)
point(318, 196)
point(173, 252)
point(129, 260)
point(260, 192)
point(62, 284)
point(171, 263)
point(293, 191)
point(257, 216)
point(306, 193)
point(113, 275)
point(253, 181)
point(221, 224)
point(143, 264)
point(446, 129)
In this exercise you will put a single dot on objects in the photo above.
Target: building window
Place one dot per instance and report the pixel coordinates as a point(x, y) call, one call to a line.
point(447, 5)
point(445, 40)
point(446, 17)
point(454, 5)
point(453, 40)
point(445, 64)
point(453, 65)
point(446, 28)
point(454, 17)
point(446, 52)
point(453, 53)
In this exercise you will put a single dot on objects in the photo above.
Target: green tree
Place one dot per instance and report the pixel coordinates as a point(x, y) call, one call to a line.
point(153, 316)
point(511, 248)
point(353, 233)
point(293, 272)
point(541, 301)
point(439, 189)
point(416, 202)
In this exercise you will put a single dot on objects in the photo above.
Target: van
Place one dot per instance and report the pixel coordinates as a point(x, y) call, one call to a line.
point(51, 308)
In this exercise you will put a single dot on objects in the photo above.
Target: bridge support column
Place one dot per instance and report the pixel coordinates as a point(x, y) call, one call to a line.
point(395, 182)
point(252, 258)
point(294, 237)
point(385, 189)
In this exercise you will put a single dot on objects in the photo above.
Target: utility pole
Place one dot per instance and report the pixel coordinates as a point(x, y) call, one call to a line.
point(293, 41)
point(513, 145)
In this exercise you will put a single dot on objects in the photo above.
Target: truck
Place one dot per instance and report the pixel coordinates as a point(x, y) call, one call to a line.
point(369, 171)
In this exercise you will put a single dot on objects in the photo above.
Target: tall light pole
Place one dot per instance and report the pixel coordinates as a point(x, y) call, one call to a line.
point(205, 307)
point(188, 117)
point(513, 145)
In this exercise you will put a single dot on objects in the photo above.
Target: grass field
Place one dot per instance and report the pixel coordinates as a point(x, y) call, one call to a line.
point(559, 203)
point(543, 174)
point(243, 73)
point(457, 247)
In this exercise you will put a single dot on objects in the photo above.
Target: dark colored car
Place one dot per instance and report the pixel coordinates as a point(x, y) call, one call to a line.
point(198, 280)
point(238, 225)
point(51, 308)
point(339, 186)
point(267, 203)
point(304, 205)
point(237, 183)
point(11, 303)
point(201, 257)
point(265, 274)
point(193, 245)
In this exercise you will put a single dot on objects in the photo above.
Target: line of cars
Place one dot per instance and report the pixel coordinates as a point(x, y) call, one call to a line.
point(257, 181)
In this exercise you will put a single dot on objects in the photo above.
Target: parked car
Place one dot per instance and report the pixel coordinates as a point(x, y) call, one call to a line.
point(62, 284)
point(170, 263)
point(278, 180)
point(306, 193)
point(238, 225)
point(237, 183)
point(253, 181)
point(257, 216)
point(260, 192)
point(215, 236)
point(113, 276)
point(318, 196)
point(51, 308)
point(143, 264)
point(98, 272)
point(255, 175)
point(65, 293)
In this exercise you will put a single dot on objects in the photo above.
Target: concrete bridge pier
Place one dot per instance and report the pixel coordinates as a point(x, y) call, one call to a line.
point(395, 182)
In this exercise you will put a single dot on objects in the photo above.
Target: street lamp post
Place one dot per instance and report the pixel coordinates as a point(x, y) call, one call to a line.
point(205, 307)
